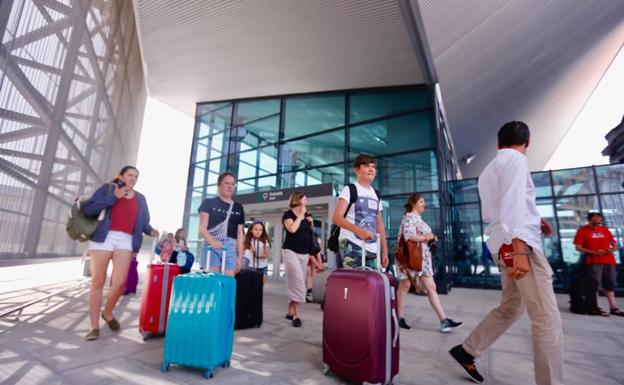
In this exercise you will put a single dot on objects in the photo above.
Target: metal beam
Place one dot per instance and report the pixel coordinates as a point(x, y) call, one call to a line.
point(416, 29)
point(55, 131)
point(39, 33)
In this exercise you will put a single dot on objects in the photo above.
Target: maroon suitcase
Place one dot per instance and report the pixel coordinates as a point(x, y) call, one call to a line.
point(360, 326)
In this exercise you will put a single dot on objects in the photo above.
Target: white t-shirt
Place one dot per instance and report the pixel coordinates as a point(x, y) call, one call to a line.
point(362, 213)
point(259, 246)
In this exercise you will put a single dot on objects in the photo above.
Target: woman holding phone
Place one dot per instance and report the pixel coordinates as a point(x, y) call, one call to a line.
point(116, 238)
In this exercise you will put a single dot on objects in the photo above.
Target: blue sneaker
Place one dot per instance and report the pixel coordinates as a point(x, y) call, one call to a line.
point(448, 325)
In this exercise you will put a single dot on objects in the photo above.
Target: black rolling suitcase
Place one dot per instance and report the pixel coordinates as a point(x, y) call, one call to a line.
point(248, 298)
point(582, 294)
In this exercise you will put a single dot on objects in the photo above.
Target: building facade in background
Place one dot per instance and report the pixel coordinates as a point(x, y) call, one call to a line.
point(295, 141)
point(306, 140)
point(564, 197)
point(72, 95)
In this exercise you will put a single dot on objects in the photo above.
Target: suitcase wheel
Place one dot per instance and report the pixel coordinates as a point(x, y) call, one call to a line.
point(164, 367)
point(146, 336)
point(226, 364)
point(325, 369)
point(208, 374)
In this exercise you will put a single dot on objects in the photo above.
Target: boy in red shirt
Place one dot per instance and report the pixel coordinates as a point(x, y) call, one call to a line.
point(598, 245)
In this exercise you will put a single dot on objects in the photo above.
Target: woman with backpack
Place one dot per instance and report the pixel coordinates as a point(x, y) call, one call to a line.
point(116, 238)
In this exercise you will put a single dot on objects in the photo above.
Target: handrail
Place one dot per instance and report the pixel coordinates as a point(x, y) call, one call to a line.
point(37, 300)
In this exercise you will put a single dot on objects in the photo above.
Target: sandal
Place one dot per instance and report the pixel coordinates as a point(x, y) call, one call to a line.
point(599, 311)
point(113, 324)
point(92, 335)
point(616, 311)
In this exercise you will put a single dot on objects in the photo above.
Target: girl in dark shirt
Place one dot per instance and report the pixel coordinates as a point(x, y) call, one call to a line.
point(295, 252)
point(221, 221)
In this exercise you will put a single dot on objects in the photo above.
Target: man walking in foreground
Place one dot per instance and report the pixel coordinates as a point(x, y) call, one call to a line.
point(508, 206)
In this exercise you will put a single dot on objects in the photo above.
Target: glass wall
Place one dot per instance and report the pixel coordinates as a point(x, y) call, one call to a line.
point(564, 197)
point(303, 140)
point(72, 95)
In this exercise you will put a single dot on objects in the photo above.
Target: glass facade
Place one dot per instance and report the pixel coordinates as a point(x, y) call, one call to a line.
point(564, 197)
point(304, 140)
point(72, 95)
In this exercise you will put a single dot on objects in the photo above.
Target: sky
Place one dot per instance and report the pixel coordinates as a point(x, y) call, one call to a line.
point(163, 161)
point(584, 142)
point(166, 139)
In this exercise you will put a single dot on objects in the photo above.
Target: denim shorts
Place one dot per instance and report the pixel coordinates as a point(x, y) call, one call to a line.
point(215, 255)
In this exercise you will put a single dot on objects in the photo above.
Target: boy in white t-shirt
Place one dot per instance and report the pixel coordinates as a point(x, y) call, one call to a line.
point(363, 220)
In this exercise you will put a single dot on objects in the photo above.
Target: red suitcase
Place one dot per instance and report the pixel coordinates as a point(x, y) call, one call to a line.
point(360, 326)
point(155, 298)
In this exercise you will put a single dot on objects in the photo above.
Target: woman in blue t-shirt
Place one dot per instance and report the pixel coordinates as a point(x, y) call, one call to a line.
point(221, 223)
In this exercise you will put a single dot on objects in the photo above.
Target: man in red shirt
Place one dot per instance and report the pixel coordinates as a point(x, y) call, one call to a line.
point(598, 245)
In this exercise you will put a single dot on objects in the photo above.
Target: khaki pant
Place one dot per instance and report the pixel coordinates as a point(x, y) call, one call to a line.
point(535, 292)
point(296, 266)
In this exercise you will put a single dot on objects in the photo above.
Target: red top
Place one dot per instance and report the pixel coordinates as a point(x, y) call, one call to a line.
point(596, 238)
point(124, 215)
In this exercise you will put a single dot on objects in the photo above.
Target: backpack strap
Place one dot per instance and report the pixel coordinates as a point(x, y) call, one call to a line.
point(353, 197)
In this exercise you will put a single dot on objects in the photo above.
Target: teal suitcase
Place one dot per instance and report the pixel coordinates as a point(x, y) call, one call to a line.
point(200, 327)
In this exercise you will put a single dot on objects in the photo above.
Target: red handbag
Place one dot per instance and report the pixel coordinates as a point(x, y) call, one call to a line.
point(506, 254)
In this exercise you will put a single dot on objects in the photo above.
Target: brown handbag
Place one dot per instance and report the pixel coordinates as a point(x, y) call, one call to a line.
point(409, 254)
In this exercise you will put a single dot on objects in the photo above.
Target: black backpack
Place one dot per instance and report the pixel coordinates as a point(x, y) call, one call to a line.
point(334, 233)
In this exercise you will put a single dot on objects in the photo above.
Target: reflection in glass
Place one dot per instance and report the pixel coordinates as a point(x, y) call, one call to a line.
point(313, 151)
point(541, 180)
point(415, 172)
point(371, 105)
point(255, 109)
point(613, 212)
point(308, 115)
point(574, 181)
point(464, 191)
point(408, 132)
point(611, 178)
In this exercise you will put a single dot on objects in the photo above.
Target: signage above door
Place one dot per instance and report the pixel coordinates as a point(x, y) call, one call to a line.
point(319, 190)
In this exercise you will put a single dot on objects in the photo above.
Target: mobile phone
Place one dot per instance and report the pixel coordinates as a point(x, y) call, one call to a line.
point(120, 184)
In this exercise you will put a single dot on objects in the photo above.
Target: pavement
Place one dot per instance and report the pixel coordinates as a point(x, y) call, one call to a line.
point(43, 344)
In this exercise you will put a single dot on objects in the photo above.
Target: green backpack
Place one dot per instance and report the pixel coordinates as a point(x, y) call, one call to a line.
point(80, 227)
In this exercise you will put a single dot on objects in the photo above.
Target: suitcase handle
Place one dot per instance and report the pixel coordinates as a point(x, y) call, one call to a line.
point(377, 257)
point(395, 338)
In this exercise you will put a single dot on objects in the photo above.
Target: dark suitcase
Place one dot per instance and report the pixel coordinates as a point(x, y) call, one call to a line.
point(582, 294)
point(248, 299)
point(360, 326)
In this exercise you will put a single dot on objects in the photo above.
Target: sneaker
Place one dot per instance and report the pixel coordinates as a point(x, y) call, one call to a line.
point(289, 317)
point(92, 335)
point(309, 298)
point(467, 362)
point(297, 322)
point(403, 324)
point(448, 325)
